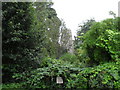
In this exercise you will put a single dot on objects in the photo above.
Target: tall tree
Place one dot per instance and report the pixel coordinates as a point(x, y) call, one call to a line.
point(20, 45)
point(65, 39)
point(50, 25)
point(83, 29)
point(102, 41)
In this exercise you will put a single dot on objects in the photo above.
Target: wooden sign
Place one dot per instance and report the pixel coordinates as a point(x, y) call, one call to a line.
point(59, 80)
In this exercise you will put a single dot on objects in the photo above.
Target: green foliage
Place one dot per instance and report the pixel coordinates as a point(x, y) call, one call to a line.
point(80, 32)
point(111, 42)
point(65, 39)
point(30, 33)
point(100, 46)
point(31, 44)
point(76, 81)
point(49, 24)
point(102, 42)
point(12, 86)
point(19, 50)
point(70, 58)
point(102, 76)
point(82, 57)
point(39, 78)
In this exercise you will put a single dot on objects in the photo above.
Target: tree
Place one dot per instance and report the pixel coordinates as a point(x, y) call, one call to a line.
point(102, 42)
point(80, 32)
point(20, 53)
point(65, 39)
point(30, 33)
point(50, 24)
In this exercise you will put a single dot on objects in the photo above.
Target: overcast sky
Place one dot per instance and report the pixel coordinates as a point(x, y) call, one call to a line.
point(74, 12)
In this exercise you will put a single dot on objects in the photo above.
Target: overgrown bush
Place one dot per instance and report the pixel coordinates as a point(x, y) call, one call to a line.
point(45, 77)
point(70, 58)
point(102, 76)
point(82, 57)
point(102, 42)
point(12, 85)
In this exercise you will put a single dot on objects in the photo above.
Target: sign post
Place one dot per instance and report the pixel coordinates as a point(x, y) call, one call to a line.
point(59, 80)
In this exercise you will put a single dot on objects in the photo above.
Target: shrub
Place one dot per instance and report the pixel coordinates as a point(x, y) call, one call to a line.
point(70, 58)
point(106, 75)
point(101, 42)
point(45, 77)
point(102, 76)
point(82, 57)
point(12, 85)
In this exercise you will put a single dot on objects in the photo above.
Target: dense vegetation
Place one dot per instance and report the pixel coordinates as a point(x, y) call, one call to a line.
point(37, 48)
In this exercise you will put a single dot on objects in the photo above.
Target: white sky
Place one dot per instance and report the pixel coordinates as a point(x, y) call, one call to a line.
point(74, 12)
